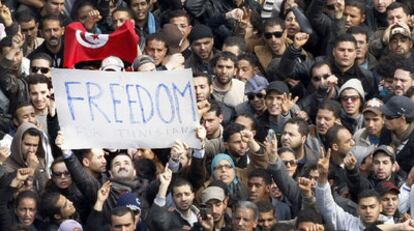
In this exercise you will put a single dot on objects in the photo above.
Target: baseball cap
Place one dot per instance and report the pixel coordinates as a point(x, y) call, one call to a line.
point(387, 150)
point(130, 201)
point(398, 106)
point(141, 60)
point(278, 86)
point(112, 63)
point(212, 192)
point(400, 28)
point(385, 187)
point(373, 105)
point(255, 85)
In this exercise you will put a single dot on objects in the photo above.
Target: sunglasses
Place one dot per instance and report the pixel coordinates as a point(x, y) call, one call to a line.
point(290, 162)
point(269, 35)
point(43, 70)
point(318, 78)
point(61, 174)
point(353, 98)
point(258, 95)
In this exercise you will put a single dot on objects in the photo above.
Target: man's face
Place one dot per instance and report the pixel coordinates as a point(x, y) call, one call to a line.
point(61, 176)
point(183, 25)
point(374, 123)
point(389, 203)
point(314, 176)
point(369, 210)
point(273, 103)
point(351, 101)
point(383, 166)
point(140, 9)
point(40, 66)
point(29, 145)
point(320, 75)
point(246, 122)
point(275, 42)
point(344, 54)
point(29, 30)
point(325, 119)
point(402, 81)
point(257, 101)
point(17, 59)
point(344, 142)
point(400, 44)
point(55, 6)
point(236, 146)
point(291, 136)
point(258, 190)
point(25, 114)
point(119, 17)
point(183, 197)
point(203, 48)
point(397, 16)
point(83, 13)
point(157, 50)
point(52, 33)
point(393, 124)
point(353, 16)
point(26, 211)
point(362, 46)
point(39, 96)
point(122, 168)
point(97, 162)
point(217, 208)
point(266, 220)
point(122, 223)
point(381, 5)
point(66, 207)
point(202, 89)
point(245, 70)
point(212, 122)
point(224, 172)
point(289, 160)
point(225, 70)
point(244, 220)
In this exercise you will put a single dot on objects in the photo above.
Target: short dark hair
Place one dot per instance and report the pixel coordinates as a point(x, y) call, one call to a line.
point(56, 161)
point(41, 55)
point(158, 37)
point(303, 126)
point(178, 182)
point(50, 17)
point(178, 13)
point(121, 211)
point(357, 4)
point(331, 105)
point(358, 30)
point(34, 79)
point(236, 41)
point(265, 207)
point(204, 75)
point(406, 65)
point(396, 5)
point(231, 129)
point(251, 58)
point(80, 4)
point(332, 135)
point(369, 193)
point(83, 153)
point(261, 173)
point(48, 206)
point(224, 55)
point(25, 16)
point(274, 21)
point(345, 38)
point(27, 194)
point(308, 215)
point(318, 64)
point(214, 107)
point(387, 65)
point(254, 121)
point(20, 105)
point(123, 9)
point(32, 132)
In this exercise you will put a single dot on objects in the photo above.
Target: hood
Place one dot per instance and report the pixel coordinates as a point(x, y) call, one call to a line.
point(16, 153)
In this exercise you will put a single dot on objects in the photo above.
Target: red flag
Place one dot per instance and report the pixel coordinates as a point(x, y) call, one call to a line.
point(81, 45)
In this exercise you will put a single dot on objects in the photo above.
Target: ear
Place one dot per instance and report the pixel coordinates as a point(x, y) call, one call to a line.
point(85, 162)
point(226, 201)
point(333, 52)
point(363, 18)
point(110, 174)
point(335, 147)
point(380, 205)
point(57, 217)
point(221, 118)
point(394, 167)
point(267, 188)
point(15, 122)
point(135, 172)
point(304, 139)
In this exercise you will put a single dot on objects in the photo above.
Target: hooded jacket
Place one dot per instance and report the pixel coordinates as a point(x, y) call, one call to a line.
point(17, 160)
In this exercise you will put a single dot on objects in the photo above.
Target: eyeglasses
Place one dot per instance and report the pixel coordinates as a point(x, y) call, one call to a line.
point(224, 167)
point(353, 98)
point(43, 70)
point(318, 78)
point(292, 163)
point(61, 174)
point(392, 117)
point(277, 34)
point(258, 95)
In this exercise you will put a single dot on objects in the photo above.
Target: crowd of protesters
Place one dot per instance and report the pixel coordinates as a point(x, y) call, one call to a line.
point(306, 114)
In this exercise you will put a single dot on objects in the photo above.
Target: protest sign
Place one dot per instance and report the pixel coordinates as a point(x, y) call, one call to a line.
point(121, 110)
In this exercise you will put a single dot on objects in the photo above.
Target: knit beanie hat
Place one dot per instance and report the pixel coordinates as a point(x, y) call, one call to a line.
point(353, 84)
point(69, 225)
point(200, 31)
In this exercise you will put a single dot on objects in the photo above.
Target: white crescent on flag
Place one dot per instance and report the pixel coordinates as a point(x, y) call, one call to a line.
point(90, 40)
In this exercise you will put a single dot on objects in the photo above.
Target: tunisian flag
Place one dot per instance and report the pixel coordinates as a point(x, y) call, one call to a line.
point(81, 45)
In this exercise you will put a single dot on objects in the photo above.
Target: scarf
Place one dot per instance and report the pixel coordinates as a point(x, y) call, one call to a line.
point(398, 140)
